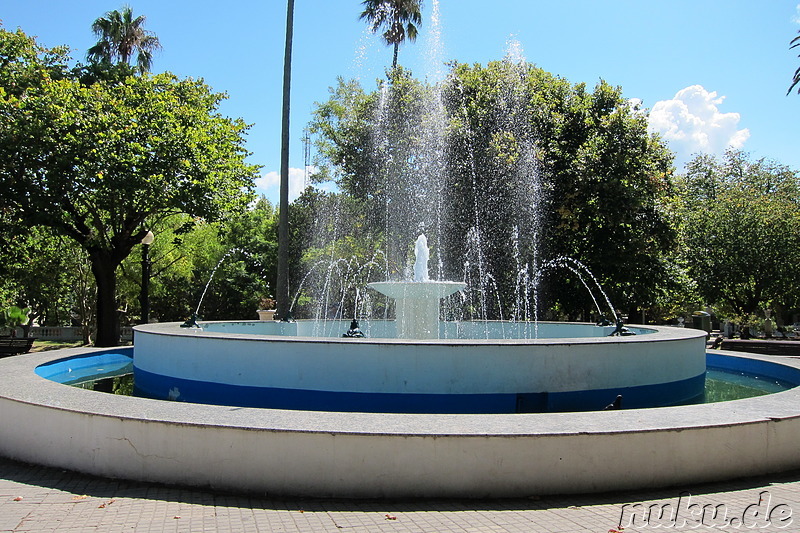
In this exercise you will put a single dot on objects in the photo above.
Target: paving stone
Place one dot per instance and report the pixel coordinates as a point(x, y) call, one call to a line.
point(40, 499)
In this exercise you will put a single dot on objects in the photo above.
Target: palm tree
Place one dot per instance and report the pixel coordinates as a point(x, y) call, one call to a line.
point(400, 19)
point(795, 43)
point(120, 36)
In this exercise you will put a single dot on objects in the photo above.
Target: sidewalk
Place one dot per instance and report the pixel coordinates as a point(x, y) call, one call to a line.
point(35, 498)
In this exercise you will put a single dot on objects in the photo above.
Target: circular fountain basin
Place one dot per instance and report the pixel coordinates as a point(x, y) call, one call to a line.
point(373, 455)
point(292, 366)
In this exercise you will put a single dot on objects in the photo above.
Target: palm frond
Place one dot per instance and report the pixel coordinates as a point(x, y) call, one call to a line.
point(121, 35)
point(796, 79)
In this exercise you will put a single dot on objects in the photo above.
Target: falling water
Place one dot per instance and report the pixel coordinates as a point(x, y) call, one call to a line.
point(579, 269)
point(499, 229)
point(211, 277)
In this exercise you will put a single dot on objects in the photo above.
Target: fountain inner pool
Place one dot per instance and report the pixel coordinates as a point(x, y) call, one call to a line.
point(471, 367)
point(727, 383)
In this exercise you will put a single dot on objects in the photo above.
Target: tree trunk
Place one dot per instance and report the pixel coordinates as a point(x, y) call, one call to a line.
point(282, 286)
point(394, 60)
point(105, 275)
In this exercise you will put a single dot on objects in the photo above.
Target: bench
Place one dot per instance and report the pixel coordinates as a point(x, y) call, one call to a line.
point(15, 345)
point(765, 347)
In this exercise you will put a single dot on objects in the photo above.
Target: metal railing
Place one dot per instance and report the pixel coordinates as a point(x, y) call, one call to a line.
point(67, 333)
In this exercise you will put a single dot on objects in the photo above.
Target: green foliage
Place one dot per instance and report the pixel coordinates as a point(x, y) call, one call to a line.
point(101, 163)
point(184, 254)
point(376, 171)
point(334, 251)
point(742, 232)
point(13, 316)
point(248, 273)
point(511, 133)
point(26, 64)
point(38, 269)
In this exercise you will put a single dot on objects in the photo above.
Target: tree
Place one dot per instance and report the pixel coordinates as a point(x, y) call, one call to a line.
point(534, 169)
point(600, 179)
point(376, 151)
point(101, 163)
point(36, 270)
point(399, 18)
point(742, 232)
point(230, 264)
point(120, 37)
point(247, 257)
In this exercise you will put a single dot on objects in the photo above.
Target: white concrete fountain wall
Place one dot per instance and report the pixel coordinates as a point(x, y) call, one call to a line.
point(493, 375)
point(385, 455)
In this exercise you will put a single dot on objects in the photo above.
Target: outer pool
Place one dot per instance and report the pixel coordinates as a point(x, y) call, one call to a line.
point(727, 378)
point(380, 455)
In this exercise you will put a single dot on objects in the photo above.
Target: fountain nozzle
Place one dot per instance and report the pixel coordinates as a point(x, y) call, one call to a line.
point(191, 322)
point(355, 331)
point(621, 330)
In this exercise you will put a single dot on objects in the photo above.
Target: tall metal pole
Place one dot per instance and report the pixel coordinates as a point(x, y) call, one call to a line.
point(282, 287)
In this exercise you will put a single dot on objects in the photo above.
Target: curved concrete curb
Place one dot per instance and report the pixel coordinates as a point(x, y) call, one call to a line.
point(389, 455)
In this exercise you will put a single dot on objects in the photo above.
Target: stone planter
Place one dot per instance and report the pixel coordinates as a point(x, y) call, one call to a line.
point(266, 314)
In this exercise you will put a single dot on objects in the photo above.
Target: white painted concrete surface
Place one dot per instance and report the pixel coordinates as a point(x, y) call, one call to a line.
point(386, 455)
point(445, 366)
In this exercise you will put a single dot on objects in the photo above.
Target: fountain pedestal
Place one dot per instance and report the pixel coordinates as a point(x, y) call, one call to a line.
point(418, 304)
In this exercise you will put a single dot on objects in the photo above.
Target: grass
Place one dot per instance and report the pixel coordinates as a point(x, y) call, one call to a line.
point(42, 346)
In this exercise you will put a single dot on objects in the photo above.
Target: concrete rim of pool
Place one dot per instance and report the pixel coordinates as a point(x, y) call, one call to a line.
point(369, 455)
point(474, 367)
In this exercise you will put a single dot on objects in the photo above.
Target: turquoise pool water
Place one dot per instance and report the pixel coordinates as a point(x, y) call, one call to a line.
point(724, 385)
point(88, 368)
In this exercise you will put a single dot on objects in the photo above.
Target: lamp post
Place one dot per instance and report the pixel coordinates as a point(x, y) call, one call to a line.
point(144, 296)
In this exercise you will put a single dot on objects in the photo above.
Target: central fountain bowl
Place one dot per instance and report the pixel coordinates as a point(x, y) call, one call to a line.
point(472, 367)
point(417, 304)
point(417, 289)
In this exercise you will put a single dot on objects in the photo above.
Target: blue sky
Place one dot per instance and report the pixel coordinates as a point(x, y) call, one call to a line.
point(713, 72)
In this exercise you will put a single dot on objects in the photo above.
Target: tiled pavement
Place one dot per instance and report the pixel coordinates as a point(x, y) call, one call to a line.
point(34, 498)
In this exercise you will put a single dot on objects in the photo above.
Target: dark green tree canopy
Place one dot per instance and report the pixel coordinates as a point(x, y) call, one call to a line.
point(742, 232)
point(512, 133)
point(99, 163)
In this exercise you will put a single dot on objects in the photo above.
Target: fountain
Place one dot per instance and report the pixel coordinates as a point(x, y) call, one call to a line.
point(419, 363)
point(418, 302)
point(415, 406)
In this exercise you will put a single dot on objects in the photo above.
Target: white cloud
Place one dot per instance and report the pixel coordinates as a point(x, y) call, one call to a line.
point(691, 123)
point(270, 184)
point(796, 17)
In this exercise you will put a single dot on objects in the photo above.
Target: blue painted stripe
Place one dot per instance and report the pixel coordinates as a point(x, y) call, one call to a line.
point(786, 375)
point(657, 395)
point(156, 386)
